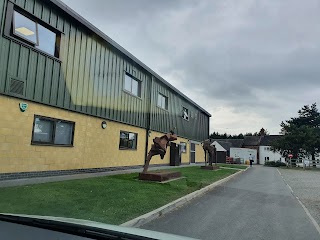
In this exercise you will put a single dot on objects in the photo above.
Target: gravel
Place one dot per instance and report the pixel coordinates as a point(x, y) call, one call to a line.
point(306, 186)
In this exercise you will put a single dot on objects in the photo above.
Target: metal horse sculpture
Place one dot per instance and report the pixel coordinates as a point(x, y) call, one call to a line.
point(159, 148)
point(211, 150)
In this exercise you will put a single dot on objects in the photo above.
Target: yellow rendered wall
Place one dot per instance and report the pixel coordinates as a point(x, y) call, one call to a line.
point(199, 153)
point(93, 146)
point(185, 157)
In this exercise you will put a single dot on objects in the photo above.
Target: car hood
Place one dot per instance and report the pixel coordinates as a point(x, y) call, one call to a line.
point(87, 223)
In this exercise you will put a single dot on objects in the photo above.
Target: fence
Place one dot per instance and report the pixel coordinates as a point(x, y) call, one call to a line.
point(303, 163)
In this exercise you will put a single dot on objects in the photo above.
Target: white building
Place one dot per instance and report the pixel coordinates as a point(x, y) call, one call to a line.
point(243, 154)
point(265, 152)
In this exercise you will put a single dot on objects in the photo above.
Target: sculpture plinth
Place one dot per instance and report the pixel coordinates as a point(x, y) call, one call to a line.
point(159, 176)
point(210, 167)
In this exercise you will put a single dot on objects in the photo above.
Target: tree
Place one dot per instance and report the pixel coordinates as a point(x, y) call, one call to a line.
point(301, 135)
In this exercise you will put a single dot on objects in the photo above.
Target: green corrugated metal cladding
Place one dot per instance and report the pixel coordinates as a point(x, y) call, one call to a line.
point(88, 77)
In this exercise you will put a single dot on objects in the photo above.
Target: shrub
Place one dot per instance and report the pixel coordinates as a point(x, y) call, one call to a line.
point(275, 164)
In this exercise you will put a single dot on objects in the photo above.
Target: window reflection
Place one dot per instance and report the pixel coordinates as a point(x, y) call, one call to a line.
point(47, 40)
point(133, 86)
point(25, 28)
point(35, 34)
point(128, 140)
point(42, 130)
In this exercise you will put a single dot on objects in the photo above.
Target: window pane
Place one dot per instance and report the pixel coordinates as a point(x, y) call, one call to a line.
point(42, 130)
point(159, 100)
point(132, 141)
point(123, 140)
point(25, 27)
point(47, 40)
point(163, 102)
point(128, 140)
point(166, 103)
point(183, 147)
point(127, 83)
point(135, 86)
point(63, 134)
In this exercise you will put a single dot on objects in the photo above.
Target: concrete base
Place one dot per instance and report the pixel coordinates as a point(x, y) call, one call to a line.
point(210, 167)
point(159, 176)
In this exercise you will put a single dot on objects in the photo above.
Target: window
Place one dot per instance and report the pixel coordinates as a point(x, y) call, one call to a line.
point(132, 85)
point(183, 147)
point(128, 140)
point(162, 101)
point(185, 114)
point(49, 131)
point(32, 31)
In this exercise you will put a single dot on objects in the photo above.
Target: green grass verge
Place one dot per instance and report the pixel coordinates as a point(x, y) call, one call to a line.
point(233, 166)
point(112, 199)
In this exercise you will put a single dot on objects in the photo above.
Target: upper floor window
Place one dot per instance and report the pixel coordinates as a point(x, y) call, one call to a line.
point(162, 101)
point(132, 85)
point(185, 114)
point(26, 28)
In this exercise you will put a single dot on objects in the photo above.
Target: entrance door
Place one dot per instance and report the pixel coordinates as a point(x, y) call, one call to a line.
point(192, 152)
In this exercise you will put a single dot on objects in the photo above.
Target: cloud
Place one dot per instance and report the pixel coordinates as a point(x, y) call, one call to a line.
point(250, 63)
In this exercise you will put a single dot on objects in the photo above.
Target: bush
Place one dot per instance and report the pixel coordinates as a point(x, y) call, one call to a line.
point(275, 164)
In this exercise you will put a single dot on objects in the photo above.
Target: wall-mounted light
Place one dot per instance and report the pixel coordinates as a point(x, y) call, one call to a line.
point(149, 133)
point(104, 125)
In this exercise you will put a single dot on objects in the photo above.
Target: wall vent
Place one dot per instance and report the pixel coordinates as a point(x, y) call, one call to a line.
point(16, 87)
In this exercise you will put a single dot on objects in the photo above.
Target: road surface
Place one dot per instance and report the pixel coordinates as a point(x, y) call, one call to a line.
point(254, 205)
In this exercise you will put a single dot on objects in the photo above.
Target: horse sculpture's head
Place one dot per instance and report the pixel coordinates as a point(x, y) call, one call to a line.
point(172, 136)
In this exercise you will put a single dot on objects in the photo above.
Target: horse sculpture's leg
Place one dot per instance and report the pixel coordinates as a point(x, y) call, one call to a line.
point(146, 165)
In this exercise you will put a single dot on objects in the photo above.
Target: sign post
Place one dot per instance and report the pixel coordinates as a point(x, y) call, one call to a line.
point(290, 156)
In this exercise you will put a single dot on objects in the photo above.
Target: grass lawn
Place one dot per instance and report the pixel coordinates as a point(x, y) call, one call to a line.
point(112, 199)
point(233, 166)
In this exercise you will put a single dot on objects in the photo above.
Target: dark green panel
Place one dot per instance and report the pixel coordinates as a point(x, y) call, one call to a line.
point(31, 77)
point(64, 58)
point(86, 80)
point(37, 9)
point(29, 6)
point(45, 14)
point(20, 3)
point(117, 89)
point(81, 73)
point(113, 80)
point(4, 61)
point(39, 78)
point(121, 95)
point(13, 63)
point(101, 75)
point(91, 77)
point(95, 79)
point(105, 84)
point(47, 81)
point(75, 70)
point(68, 98)
point(53, 19)
point(23, 63)
point(54, 83)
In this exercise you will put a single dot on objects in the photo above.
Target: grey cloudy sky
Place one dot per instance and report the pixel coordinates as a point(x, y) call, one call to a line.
point(250, 63)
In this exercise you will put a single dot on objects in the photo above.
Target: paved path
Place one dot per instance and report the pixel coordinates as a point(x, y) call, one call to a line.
point(306, 186)
point(255, 205)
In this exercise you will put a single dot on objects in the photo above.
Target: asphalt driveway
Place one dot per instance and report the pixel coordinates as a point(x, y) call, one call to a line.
point(255, 205)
